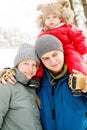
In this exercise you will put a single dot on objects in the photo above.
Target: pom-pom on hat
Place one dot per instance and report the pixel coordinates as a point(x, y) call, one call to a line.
point(47, 43)
point(25, 51)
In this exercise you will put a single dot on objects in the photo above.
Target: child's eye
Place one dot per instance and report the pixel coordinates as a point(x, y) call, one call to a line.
point(48, 18)
point(54, 17)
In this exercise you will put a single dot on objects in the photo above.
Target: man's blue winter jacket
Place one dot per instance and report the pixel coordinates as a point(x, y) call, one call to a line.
point(59, 109)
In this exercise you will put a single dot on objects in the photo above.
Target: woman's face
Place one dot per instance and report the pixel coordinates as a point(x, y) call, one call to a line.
point(53, 60)
point(28, 67)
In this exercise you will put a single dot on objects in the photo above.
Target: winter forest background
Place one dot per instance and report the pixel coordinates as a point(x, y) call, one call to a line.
point(17, 24)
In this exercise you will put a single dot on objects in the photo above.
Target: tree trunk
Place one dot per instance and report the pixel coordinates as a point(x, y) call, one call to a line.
point(80, 13)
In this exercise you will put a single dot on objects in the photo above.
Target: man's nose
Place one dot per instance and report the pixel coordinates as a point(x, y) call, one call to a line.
point(52, 60)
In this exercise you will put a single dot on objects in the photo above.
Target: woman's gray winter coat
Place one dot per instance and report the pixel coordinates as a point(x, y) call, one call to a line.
point(18, 107)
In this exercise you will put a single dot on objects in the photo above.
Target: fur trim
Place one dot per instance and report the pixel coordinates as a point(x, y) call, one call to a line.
point(68, 15)
point(40, 22)
point(61, 8)
point(67, 12)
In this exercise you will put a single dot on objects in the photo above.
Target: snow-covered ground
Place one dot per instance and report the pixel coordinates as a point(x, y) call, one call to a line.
point(7, 57)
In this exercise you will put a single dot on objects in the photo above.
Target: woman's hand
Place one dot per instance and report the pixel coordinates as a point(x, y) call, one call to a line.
point(7, 75)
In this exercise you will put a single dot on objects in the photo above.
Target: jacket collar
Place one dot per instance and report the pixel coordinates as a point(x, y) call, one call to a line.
point(20, 77)
point(61, 74)
point(54, 78)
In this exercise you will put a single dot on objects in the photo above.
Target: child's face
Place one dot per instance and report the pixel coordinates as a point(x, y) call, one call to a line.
point(28, 67)
point(52, 21)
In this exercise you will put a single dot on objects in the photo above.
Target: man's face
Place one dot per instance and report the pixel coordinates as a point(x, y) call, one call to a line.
point(53, 60)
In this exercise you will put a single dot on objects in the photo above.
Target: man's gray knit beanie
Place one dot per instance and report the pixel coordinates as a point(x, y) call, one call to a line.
point(47, 43)
point(25, 51)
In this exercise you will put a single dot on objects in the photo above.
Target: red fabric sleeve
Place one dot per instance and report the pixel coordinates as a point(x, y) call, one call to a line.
point(40, 73)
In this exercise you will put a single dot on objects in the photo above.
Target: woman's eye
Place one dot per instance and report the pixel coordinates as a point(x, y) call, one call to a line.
point(26, 63)
point(35, 65)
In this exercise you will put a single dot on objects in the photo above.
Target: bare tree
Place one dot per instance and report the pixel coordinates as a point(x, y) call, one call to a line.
point(80, 9)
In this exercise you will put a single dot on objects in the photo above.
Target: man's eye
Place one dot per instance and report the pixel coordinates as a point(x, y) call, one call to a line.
point(55, 54)
point(46, 59)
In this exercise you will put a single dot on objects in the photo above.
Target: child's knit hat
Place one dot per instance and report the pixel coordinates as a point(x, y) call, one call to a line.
point(25, 51)
point(47, 43)
point(60, 8)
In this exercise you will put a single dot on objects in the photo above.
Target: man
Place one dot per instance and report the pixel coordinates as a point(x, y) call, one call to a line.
point(59, 109)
